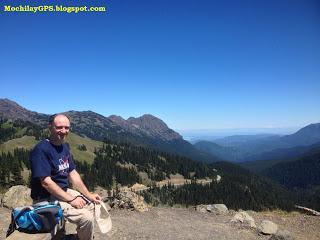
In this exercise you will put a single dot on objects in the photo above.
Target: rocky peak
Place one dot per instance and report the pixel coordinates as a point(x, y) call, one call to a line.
point(11, 110)
point(121, 122)
point(144, 126)
point(154, 127)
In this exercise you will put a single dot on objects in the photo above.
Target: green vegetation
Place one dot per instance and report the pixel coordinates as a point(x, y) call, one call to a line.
point(125, 163)
point(88, 156)
point(20, 134)
point(11, 167)
point(238, 189)
point(113, 164)
point(18, 128)
point(300, 176)
point(26, 142)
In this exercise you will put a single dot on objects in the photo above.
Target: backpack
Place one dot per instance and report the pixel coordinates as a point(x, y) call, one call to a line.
point(38, 218)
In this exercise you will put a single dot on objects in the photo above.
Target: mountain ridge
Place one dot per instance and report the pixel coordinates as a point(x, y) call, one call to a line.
point(146, 130)
point(247, 147)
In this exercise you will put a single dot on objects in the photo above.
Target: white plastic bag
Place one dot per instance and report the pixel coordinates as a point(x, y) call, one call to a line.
point(103, 218)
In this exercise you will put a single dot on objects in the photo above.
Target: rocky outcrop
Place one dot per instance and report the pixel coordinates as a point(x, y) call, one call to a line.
point(218, 178)
point(213, 208)
point(244, 219)
point(218, 209)
point(129, 200)
point(154, 127)
point(201, 208)
point(267, 227)
point(17, 196)
point(282, 235)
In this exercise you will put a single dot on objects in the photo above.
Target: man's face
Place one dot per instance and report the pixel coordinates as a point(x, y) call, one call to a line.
point(59, 129)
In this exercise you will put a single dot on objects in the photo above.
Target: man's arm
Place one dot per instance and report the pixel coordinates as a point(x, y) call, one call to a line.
point(61, 195)
point(78, 184)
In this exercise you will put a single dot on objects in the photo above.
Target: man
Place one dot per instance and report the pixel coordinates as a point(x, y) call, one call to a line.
point(52, 168)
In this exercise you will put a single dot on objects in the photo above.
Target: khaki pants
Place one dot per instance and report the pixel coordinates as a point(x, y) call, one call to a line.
point(83, 218)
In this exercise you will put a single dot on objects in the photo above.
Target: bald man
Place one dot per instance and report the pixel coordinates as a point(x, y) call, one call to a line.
point(52, 168)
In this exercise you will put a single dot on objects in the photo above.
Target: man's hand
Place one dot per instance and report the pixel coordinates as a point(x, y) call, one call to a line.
point(78, 202)
point(79, 185)
point(94, 197)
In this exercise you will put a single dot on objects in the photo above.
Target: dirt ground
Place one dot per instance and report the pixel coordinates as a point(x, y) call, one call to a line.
point(180, 223)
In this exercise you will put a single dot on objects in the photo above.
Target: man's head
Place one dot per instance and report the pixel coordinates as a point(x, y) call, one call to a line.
point(59, 126)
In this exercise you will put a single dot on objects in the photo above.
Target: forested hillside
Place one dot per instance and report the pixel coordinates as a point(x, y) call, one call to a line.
point(301, 176)
point(147, 130)
point(114, 164)
point(125, 164)
point(238, 189)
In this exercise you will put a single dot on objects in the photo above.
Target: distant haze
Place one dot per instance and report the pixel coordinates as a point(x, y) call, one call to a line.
point(211, 134)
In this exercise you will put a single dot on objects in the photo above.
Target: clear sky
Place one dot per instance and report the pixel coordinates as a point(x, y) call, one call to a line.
point(194, 64)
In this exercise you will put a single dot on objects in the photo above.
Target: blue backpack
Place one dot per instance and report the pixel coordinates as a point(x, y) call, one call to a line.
point(39, 218)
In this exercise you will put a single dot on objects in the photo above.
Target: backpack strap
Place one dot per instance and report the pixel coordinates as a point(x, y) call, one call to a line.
point(12, 226)
point(33, 221)
point(22, 211)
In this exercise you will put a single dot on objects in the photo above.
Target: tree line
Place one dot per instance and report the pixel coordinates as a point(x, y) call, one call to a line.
point(11, 166)
point(13, 129)
point(116, 164)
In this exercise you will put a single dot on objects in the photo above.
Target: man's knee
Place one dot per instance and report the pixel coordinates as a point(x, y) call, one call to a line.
point(86, 217)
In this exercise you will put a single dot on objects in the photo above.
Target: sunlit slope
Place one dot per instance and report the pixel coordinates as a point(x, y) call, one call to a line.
point(74, 141)
point(26, 142)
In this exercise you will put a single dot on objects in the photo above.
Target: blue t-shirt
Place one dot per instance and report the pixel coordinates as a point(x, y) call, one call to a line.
point(46, 160)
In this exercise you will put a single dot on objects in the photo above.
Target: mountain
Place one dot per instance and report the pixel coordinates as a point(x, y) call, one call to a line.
point(154, 127)
point(258, 163)
point(246, 145)
point(11, 110)
point(113, 163)
point(146, 130)
point(301, 176)
point(239, 140)
point(305, 136)
point(147, 125)
point(263, 146)
point(224, 153)
point(300, 173)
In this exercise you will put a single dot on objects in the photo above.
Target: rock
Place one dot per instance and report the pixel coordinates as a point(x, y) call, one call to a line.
point(17, 196)
point(219, 209)
point(208, 208)
point(202, 208)
point(138, 187)
point(130, 200)
point(244, 218)
point(102, 192)
point(282, 235)
point(214, 208)
point(218, 179)
point(267, 227)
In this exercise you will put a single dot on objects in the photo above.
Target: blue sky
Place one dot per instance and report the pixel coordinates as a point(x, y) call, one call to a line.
point(194, 64)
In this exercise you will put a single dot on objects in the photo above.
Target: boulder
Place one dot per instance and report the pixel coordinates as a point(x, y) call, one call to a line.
point(213, 208)
point(218, 179)
point(17, 196)
point(244, 218)
point(202, 208)
point(267, 227)
point(282, 235)
point(217, 209)
point(130, 200)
